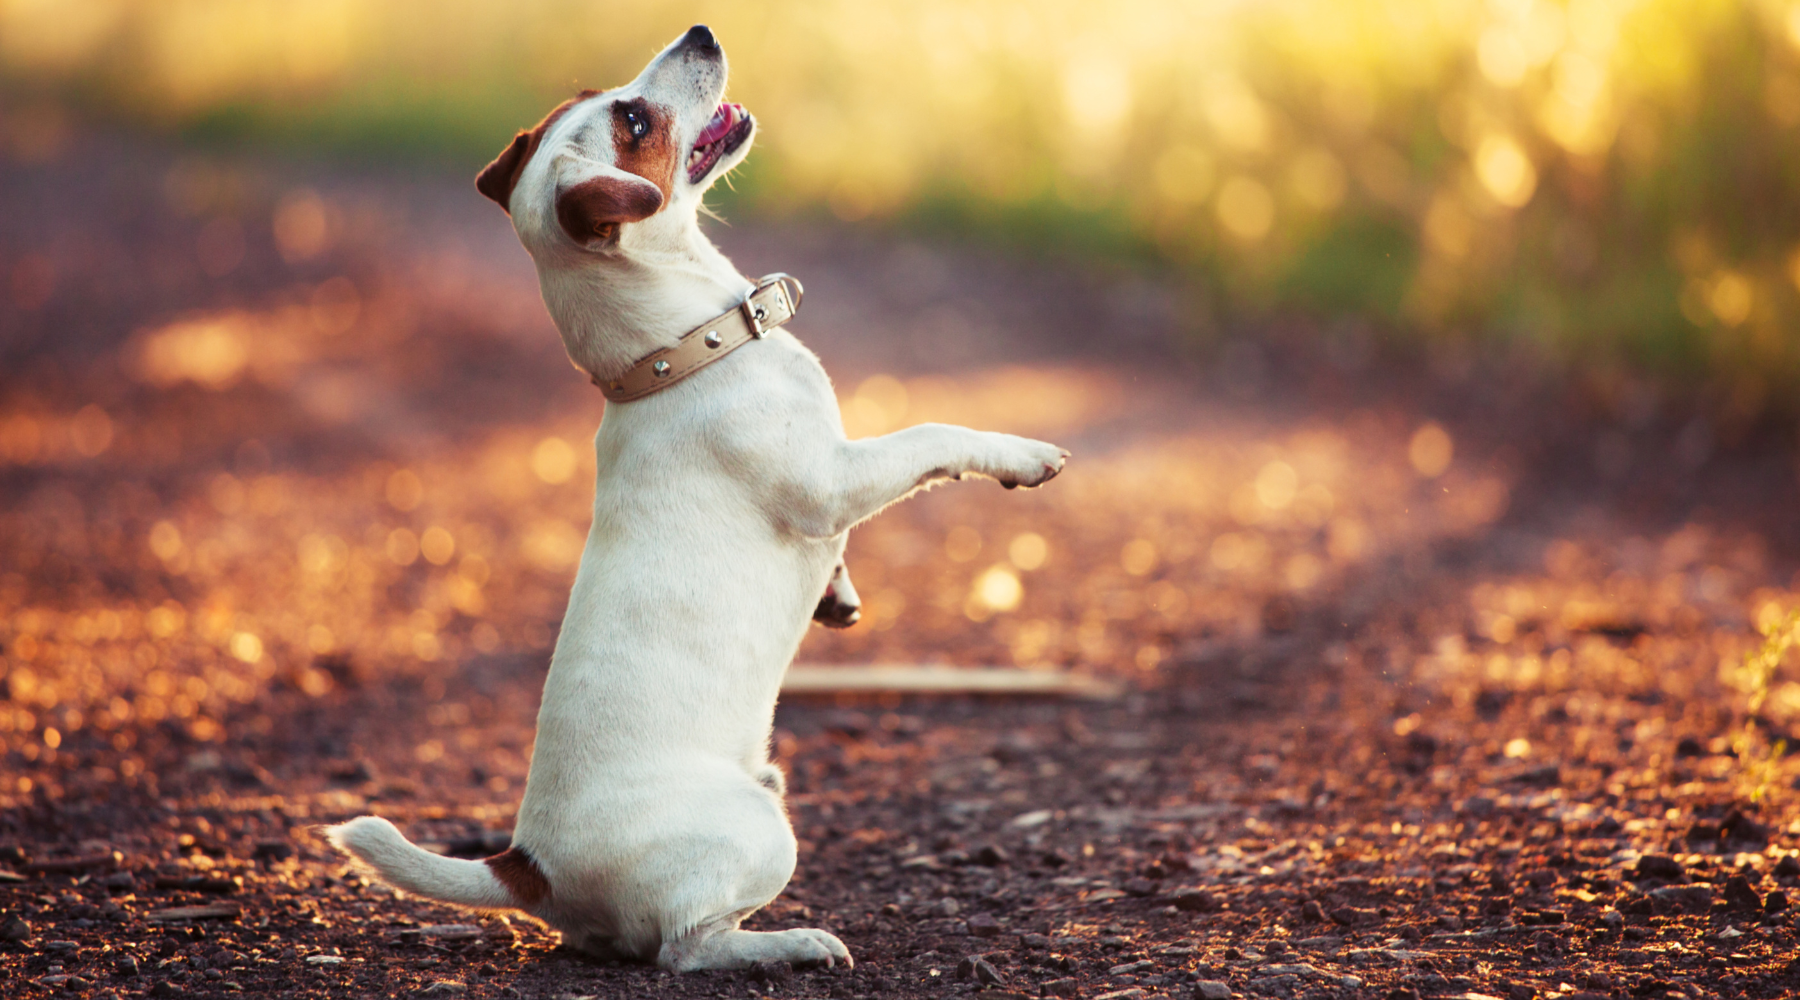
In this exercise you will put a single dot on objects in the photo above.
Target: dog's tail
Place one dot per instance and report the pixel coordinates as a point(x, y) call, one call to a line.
point(507, 881)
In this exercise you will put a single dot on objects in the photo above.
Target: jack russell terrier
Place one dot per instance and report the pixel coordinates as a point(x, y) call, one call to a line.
point(653, 822)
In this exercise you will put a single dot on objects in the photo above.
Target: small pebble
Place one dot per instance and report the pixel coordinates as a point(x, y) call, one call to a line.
point(991, 855)
point(982, 925)
point(1741, 895)
point(1661, 866)
point(1194, 900)
point(980, 970)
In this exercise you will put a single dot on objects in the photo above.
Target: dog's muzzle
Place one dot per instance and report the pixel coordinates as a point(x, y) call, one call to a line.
point(773, 302)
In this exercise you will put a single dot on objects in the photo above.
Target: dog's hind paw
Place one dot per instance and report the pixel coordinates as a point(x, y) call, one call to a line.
point(802, 946)
point(810, 946)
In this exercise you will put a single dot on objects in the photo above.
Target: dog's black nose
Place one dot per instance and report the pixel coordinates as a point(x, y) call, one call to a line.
point(700, 37)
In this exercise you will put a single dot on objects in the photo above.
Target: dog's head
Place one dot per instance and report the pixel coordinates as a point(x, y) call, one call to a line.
point(609, 169)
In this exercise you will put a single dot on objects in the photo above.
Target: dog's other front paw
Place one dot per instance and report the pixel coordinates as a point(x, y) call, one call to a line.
point(1028, 463)
point(833, 613)
point(840, 607)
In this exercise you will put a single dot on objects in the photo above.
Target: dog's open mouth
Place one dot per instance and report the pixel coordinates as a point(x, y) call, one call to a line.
point(729, 127)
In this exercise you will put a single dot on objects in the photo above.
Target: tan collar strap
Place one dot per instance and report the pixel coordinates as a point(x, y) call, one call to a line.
point(774, 302)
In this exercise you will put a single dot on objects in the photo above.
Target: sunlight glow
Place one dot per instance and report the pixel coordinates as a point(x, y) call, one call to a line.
point(998, 589)
point(1430, 451)
point(1505, 171)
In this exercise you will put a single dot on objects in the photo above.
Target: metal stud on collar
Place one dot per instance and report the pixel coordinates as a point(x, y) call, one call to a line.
point(713, 339)
point(661, 368)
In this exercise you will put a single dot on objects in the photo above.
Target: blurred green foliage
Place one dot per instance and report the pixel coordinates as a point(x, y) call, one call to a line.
point(1614, 182)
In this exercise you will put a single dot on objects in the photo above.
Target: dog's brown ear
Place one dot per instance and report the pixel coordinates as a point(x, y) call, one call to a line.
point(497, 179)
point(596, 208)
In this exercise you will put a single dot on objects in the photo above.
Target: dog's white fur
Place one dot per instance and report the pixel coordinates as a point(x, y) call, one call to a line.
point(721, 509)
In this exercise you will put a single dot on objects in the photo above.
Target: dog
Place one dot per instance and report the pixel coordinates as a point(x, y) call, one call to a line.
point(653, 820)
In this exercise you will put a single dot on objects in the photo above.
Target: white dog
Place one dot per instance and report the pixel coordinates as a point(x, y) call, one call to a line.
point(653, 821)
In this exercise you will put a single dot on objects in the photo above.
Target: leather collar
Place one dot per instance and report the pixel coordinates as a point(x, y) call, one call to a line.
point(773, 302)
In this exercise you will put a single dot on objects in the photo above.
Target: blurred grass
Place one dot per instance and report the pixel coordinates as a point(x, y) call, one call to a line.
point(1610, 181)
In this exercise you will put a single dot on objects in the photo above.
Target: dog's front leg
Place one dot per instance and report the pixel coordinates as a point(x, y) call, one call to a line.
point(854, 480)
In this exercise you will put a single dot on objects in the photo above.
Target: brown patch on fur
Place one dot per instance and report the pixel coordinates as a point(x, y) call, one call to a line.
point(651, 156)
point(594, 209)
point(498, 178)
point(521, 876)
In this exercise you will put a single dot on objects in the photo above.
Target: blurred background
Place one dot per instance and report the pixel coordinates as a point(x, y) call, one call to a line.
point(1601, 183)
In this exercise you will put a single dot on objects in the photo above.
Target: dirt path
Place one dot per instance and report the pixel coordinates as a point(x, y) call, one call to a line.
point(1428, 665)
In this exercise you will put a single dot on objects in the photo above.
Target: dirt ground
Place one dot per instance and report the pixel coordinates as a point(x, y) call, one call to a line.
point(1430, 665)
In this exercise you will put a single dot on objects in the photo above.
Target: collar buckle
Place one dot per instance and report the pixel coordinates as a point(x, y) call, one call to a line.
point(754, 314)
point(788, 294)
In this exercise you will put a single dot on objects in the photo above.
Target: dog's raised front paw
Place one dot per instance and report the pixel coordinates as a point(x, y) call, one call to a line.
point(1025, 462)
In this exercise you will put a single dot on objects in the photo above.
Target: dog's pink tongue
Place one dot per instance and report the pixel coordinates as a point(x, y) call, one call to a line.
point(721, 123)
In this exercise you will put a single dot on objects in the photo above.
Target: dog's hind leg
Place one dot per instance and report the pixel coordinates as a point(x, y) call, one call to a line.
point(735, 856)
point(840, 607)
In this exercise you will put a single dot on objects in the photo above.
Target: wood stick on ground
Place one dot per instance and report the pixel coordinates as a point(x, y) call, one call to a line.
point(442, 932)
point(207, 911)
point(64, 865)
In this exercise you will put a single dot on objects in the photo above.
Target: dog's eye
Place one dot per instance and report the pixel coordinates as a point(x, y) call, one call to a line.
point(638, 124)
